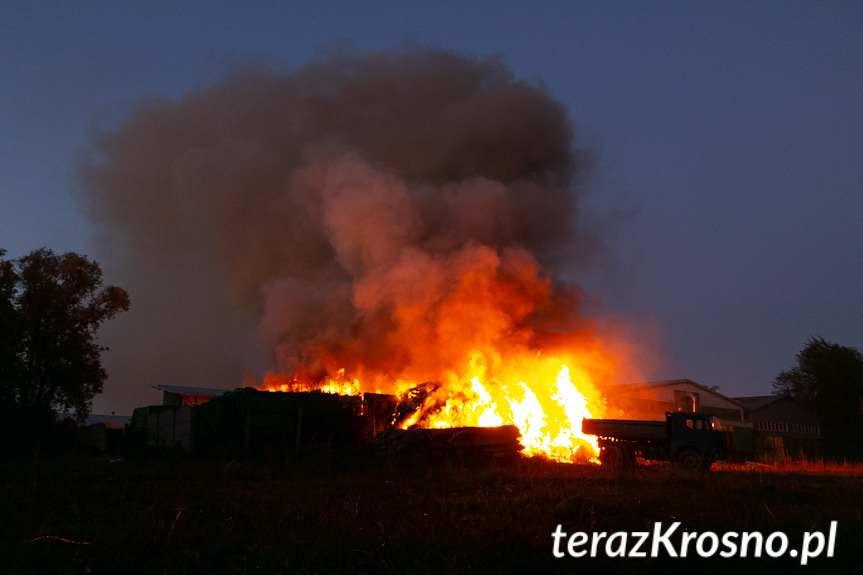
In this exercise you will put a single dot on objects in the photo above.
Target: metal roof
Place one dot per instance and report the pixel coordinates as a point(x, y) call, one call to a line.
point(673, 382)
point(756, 402)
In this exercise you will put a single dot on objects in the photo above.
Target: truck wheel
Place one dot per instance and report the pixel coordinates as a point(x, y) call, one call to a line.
point(689, 459)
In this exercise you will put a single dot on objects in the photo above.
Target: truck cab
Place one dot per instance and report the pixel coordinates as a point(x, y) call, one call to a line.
point(695, 439)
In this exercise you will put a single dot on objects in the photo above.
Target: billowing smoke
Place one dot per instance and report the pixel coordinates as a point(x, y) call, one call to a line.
point(362, 212)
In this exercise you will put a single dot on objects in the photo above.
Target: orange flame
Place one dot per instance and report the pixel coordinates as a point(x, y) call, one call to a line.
point(536, 394)
point(496, 343)
point(338, 385)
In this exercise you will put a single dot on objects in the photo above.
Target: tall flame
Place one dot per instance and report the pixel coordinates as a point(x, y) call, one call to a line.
point(484, 339)
point(535, 394)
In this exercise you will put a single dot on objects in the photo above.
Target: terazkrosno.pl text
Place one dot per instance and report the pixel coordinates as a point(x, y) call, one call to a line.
point(671, 542)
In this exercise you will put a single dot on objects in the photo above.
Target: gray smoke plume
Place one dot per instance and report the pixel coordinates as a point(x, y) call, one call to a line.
point(291, 217)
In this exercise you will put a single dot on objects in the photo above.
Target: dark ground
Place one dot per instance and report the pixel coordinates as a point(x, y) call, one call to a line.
point(351, 515)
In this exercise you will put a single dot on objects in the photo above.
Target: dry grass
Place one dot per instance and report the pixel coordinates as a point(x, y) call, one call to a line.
point(799, 465)
point(331, 515)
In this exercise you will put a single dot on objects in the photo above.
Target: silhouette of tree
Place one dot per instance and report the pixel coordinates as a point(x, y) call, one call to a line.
point(828, 380)
point(51, 307)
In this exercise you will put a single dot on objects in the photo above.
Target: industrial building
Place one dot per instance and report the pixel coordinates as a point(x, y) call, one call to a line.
point(760, 428)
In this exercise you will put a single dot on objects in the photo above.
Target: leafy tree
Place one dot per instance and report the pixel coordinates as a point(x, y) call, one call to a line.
point(828, 380)
point(8, 340)
point(51, 307)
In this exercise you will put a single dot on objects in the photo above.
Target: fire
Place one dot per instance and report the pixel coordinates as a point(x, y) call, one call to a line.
point(338, 385)
point(536, 394)
point(483, 339)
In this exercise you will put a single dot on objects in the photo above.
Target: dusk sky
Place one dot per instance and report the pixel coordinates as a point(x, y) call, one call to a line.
point(728, 136)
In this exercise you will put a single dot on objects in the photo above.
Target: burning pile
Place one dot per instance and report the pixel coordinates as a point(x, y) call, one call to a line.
point(383, 221)
point(471, 352)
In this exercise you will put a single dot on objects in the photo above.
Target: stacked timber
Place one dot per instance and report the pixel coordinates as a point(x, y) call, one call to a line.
point(462, 443)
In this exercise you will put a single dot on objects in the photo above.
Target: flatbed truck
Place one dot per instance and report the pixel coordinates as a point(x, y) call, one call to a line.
point(692, 440)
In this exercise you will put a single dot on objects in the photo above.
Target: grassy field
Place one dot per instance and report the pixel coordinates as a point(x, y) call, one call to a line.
point(352, 516)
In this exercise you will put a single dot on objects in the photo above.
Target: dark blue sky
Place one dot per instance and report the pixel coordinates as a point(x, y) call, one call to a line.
point(729, 139)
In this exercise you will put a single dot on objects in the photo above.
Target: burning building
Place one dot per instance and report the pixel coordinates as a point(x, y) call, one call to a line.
point(395, 222)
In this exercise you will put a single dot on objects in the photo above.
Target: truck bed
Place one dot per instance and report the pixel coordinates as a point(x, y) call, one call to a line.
point(624, 428)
